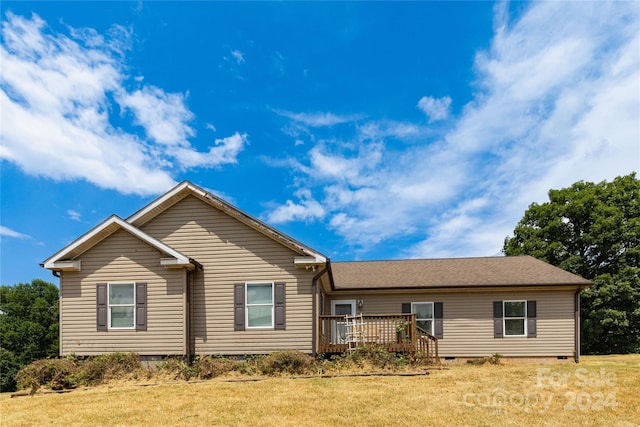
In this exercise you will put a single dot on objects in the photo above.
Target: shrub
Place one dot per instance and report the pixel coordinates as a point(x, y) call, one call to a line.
point(287, 362)
point(248, 366)
point(375, 356)
point(99, 369)
point(177, 368)
point(494, 359)
point(207, 367)
point(56, 374)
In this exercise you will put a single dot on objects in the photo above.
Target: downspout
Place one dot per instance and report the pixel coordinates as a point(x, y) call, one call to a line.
point(56, 273)
point(576, 334)
point(314, 309)
point(59, 275)
point(187, 321)
point(187, 318)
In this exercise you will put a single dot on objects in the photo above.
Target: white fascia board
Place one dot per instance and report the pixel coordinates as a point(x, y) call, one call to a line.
point(52, 261)
point(160, 200)
point(72, 265)
point(174, 263)
point(180, 258)
point(309, 260)
point(49, 262)
point(232, 211)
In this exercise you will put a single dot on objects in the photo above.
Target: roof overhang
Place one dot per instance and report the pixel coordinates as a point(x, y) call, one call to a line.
point(68, 265)
point(455, 289)
point(310, 261)
point(66, 258)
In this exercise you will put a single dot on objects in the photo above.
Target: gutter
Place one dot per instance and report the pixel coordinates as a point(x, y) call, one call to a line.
point(314, 308)
point(449, 287)
point(55, 273)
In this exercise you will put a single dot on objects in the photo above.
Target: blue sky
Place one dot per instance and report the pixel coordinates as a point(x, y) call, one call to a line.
point(365, 130)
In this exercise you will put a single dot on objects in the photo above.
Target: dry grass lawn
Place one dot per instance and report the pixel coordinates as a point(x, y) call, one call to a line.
point(600, 391)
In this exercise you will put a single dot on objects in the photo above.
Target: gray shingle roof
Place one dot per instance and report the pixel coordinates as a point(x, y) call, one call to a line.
point(451, 273)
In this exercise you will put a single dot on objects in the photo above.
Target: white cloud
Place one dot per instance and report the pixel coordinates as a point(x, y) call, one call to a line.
point(225, 151)
point(345, 163)
point(74, 215)
point(7, 232)
point(377, 130)
point(560, 105)
point(435, 108)
point(279, 64)
point(318, 119)
point(238, 56)
point(307, 209)
point(163, 115)
point(56, 97)
point(556, 102)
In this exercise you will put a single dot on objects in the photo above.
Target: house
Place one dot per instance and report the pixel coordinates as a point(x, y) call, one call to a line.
point(191, 274)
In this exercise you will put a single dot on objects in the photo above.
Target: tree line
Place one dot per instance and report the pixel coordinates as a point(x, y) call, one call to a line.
point(28, 327)
point(593, 230)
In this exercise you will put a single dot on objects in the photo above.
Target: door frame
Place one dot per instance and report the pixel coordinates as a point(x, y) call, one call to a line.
point(339, 328)
point(343, 301)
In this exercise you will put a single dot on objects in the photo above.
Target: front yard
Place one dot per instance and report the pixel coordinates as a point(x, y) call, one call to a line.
point(601, 390)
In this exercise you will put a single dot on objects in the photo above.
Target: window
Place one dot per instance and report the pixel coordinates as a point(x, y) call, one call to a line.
point(121, 305)
point(515, 314)
point(515, 318)
point(424, 315)
point(259, 305)
point(429, 316)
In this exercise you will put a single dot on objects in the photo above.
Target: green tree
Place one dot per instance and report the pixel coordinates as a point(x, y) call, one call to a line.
point(28, 327)
point(592, 230)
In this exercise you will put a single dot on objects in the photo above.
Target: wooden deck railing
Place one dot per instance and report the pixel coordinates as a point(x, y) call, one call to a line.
point(396, 332)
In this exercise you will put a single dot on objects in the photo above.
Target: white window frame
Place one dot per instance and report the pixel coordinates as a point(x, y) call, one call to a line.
point(109, 305)
point(433, 314)
point(505, 318)
point(247, 305)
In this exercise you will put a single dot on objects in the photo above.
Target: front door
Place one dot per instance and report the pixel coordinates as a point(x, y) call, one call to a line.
point(339, 327)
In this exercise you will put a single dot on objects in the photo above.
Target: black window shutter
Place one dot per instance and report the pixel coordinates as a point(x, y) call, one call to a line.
point(238, 306)
point(531, 319)
point(141, 306)
point(406, 308)
point(279, 306)
point(101, 307)
point(438, 320)
point(497, 319)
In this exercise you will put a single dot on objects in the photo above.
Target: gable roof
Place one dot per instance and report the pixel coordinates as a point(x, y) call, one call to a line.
point(187, 188)
point(65, 258)
point(450, 273)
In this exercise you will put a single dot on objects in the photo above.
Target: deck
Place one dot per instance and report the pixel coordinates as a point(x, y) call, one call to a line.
point(396, 332)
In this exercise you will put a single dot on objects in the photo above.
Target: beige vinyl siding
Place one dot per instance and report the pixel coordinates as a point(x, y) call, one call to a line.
point(122, 257)
point(468, 321)
point(230, 253)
